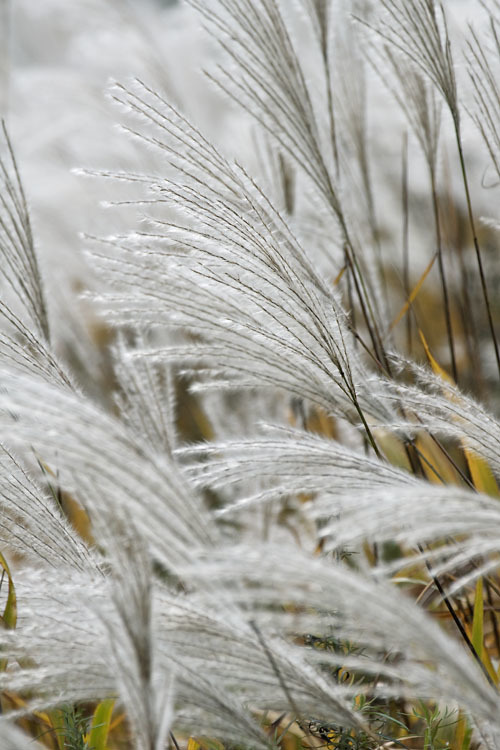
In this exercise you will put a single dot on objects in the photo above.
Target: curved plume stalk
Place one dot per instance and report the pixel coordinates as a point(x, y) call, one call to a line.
point(146, 398)
point(125, 635)
point(442, 408)
point(31, 521)
point(236, 276)
point(263, 71)
point(25, 336)
point(355, 498)
point(377, 617)
point(482, 67)
point(20, 263)
point(105, 464)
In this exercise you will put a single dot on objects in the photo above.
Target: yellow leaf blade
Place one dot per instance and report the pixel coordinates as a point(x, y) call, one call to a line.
point(462, 733)
point(9, 617)
point(478, 619)
point(481, 474)
point(101, 721)
point(342, 271)
point(413, 294)
point(437, 369)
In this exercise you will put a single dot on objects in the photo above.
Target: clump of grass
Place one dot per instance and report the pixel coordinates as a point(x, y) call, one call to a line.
point(320, 568)
point(74, 728)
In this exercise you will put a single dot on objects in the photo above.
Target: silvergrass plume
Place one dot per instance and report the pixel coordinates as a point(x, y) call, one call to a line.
point(265, 526)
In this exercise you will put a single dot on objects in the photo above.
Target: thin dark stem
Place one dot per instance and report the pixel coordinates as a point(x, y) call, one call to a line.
point(276, 670)
point(475, 241)
point(444, 286)
point(362, 297)
point(5, 24)
point(350, 299)
point(457, 621)
point(362, 291)
point(494, 623)
point(368, 431)
point(450, 458)
point(406, 225)
point(422, 459)
point(329, 95)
